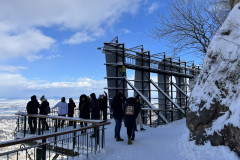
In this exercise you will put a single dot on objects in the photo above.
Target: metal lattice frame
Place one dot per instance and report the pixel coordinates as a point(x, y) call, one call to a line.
point(173, 103)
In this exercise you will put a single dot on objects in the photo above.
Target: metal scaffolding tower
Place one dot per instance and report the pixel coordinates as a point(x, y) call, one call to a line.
point(173, 78)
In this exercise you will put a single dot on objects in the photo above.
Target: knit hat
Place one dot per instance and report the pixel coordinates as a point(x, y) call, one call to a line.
point(42, 98)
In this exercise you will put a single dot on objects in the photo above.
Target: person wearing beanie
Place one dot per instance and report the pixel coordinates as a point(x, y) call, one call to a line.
point(32, 108)
point(45, 110)
point(62, 110)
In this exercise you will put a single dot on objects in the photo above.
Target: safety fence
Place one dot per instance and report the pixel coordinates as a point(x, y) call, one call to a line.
point(57, 142)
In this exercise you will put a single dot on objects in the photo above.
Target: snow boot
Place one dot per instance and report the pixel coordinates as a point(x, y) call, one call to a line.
point(129, 141)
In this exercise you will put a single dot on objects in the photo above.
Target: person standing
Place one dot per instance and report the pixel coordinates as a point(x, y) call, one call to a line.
point(84, 108)
point(32, 108)
point(45, 110)
point(103, 105)
point(71, 106)
point(139, 117)
point(117, 106)
point(95, 111)
point(62, 110)
point(130, 114)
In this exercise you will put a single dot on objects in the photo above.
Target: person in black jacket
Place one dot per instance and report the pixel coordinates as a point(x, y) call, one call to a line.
point(131, 111)
point(32, 108)
point(117, 106)
point(43, 110)
point(102, 101)
point(95, 111)
point(71, 107)
point(84, 108)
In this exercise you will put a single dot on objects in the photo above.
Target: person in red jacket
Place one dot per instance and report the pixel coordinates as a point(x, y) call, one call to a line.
point(71, 106)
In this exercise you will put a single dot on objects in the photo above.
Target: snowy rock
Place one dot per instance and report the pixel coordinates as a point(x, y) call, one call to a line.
point(214, 110)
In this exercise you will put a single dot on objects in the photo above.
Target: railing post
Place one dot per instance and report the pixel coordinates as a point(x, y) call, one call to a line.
point(103, 136)
point(18, 124)
point(74, 135)
point(25, 126)
point(44, 149)
point(39, 126)
point(150, 118)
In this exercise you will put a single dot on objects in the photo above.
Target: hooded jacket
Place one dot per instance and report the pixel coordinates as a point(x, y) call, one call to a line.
point(95, 111)
point(32, 106)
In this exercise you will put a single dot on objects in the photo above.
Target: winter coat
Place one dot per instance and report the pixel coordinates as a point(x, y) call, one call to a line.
point(32, 106)
point(130, 120)
point(95, 111)
point(102, 102)
point(62, 108)
point(71, 106)
point(84, 108)
point(43, 107)
point(117, 106)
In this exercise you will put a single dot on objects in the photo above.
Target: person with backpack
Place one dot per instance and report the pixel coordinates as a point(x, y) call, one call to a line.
point(62, 110)
point(45, 110)
point(32, 108)
point(130, 114)
point(71, 106)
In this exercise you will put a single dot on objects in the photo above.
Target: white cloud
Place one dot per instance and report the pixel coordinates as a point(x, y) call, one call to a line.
point(20, 22)
point(24, 44)
point(126, 31)
point(12, 69)
point(15, 85)
point(78, 38)
point(153, 7)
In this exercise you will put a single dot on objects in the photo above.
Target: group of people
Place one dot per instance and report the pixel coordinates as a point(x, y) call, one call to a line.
point(89, 108)
point(129, 110)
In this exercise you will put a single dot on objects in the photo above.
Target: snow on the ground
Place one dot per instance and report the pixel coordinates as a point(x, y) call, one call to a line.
point(168, 142)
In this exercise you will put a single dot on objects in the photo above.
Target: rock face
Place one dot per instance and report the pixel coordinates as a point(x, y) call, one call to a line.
point(214, 110)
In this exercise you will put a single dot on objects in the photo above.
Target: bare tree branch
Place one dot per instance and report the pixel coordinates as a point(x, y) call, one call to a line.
point(191, 24)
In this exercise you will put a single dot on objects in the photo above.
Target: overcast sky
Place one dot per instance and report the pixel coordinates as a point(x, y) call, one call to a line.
point(50, 47)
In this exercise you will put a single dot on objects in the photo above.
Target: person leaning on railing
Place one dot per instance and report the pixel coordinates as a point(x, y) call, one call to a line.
point(45, 110)
point(32, 108)
point(62, 110)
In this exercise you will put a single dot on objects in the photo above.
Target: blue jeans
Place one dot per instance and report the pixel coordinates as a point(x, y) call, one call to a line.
point(118, 127)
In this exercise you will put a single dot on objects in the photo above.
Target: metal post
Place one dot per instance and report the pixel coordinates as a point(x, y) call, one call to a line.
point(25, 126)
point(74, 135)
point(171, 90)
point(44, 149)
point(39, 126)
